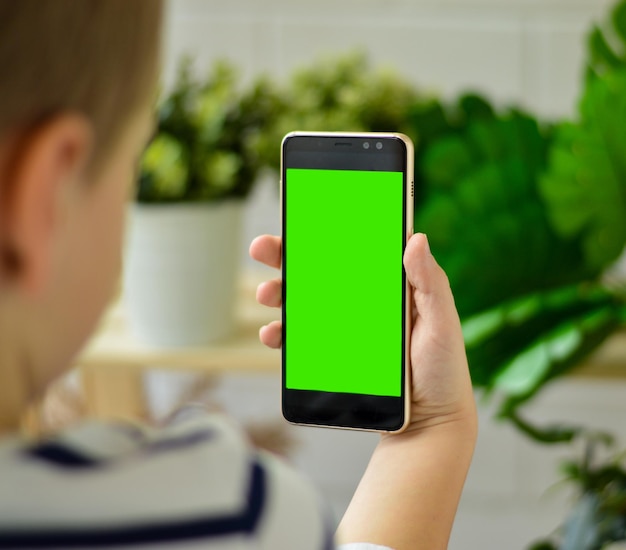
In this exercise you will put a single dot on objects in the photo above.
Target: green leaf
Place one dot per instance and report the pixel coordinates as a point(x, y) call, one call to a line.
point(618, 18)
point(475, 107)
point(478, 328)
point(602, 57)
point(564, 342)
point(219, 172)
point(606, 43)
point(165, 170)
point(525, 371)
point(585, 186)
point(551, 434)
point(524, 309)
point(558, 318)
point(446, 161)
point(554, 352)
point(481, 210)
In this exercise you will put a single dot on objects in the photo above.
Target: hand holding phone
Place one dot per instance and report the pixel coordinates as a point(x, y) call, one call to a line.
point(346, 203)
point(441, 383)
point(423, 469)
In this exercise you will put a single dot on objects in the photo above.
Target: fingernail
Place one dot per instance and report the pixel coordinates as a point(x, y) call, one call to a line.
point(427, 245)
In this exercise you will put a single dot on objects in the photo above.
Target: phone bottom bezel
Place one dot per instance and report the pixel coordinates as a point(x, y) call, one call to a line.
point(344, 410)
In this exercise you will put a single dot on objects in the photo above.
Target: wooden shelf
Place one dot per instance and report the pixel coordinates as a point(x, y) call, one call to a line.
point(114, 345)
point(112, 365)
point(608, 361)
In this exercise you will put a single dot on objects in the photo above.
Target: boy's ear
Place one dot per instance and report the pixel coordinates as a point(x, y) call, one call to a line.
point(47, 162)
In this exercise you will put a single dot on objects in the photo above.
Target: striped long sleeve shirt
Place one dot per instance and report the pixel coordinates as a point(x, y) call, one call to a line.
point(193, 484)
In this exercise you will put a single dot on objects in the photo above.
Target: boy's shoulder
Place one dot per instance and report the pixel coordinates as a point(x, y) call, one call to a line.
point(196, 478)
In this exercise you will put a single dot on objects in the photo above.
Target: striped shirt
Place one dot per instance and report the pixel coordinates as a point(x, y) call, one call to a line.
point(193, 484)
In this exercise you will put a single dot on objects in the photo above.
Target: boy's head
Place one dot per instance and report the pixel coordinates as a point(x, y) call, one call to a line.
point(77, 85)
point(95, 57)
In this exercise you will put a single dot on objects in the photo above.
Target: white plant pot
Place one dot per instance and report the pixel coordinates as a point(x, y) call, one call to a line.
point(181, 271)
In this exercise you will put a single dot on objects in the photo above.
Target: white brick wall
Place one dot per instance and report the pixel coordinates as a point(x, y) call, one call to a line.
point(526, 51)
point(523, 51)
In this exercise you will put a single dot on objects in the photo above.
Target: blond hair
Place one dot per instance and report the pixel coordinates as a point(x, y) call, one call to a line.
point(96, 57)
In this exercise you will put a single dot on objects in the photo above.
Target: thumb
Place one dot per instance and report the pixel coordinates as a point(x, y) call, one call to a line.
point(431, 288)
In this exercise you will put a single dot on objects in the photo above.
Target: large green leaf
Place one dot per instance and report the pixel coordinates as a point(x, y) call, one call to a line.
point(524, 374)
point(552, 354)
point(481, 209)
point(514, 334)
point(585, 185)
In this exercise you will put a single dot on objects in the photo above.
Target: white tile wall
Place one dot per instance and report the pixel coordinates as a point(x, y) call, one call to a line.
point(527, 51)
point(515, 50)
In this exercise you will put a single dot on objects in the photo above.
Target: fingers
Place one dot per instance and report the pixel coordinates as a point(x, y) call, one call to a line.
point(269, 293)
point(271, 334)
point(267, 250)
point(432, 293)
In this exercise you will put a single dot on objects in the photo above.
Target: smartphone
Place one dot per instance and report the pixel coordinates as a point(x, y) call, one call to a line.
point(347, 212)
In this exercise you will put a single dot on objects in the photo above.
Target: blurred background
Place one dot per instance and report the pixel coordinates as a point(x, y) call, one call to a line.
point(518, 110)
point(522, 52)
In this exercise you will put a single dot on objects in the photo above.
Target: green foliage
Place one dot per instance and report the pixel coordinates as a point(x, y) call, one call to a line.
point(606, 44)
point(481, 209)
point(340, 94)
point(430, 121)
point(517, 347)
point(585, 186)
point(511, 345)
point(525, 217)
point(165, 163)
point(205, 147)
point(598, 518)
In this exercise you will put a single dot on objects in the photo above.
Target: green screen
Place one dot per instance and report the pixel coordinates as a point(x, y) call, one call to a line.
point(343, 302)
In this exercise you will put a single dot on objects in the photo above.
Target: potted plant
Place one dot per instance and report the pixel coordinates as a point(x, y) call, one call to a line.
point(185, 226)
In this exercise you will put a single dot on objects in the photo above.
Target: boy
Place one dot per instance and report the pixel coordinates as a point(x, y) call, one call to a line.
point(78, 80)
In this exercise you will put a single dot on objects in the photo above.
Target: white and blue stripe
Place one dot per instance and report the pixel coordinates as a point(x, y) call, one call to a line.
point(194, 484)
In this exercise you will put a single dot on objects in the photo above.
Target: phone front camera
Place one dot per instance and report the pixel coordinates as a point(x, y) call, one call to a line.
point(366, 145)
point(379, 145)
